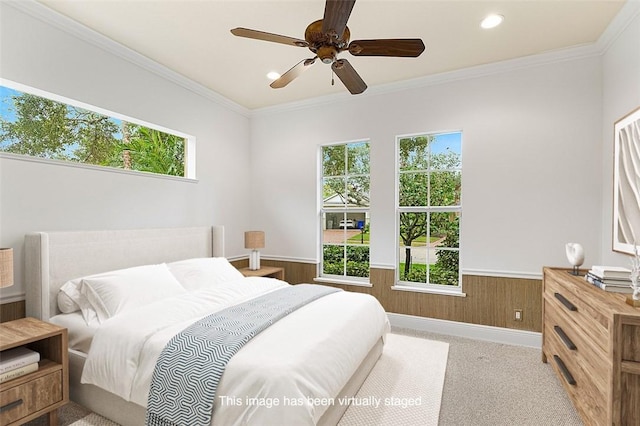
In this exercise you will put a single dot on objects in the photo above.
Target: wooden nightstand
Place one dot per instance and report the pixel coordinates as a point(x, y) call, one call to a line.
point(265, 271)
point(45, 390)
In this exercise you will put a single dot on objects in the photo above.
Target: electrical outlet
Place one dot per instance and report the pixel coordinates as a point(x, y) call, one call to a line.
point(517, 315)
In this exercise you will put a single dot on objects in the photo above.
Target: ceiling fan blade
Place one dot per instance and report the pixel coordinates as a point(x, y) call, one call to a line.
point(293, 73)
point(336, 15)
point(261, 35)
point(403, 47)
point(349, 77)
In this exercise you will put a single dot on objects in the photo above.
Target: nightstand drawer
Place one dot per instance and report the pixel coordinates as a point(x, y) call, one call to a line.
point(25, 399)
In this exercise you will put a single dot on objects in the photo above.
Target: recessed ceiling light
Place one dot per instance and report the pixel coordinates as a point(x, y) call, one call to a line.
point(273, 75)
point(491, 21)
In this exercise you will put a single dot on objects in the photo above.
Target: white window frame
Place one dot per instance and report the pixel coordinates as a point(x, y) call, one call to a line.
point(190, 141)
point(418, 286)
point(334, 278)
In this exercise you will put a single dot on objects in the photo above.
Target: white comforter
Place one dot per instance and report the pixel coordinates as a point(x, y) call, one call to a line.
point(290, 371)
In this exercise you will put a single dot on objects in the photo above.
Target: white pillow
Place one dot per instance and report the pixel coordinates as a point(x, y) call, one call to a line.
point(66, 304)
point(123, 290)
point(199, 273)
point(71, 300)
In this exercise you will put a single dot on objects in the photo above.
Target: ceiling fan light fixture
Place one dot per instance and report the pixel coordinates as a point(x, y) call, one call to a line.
point(491, 21)
point(327, 54)
point(273, 75)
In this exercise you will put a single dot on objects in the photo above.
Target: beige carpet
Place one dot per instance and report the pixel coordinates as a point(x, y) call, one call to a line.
point(404, 388)
point(94, 420)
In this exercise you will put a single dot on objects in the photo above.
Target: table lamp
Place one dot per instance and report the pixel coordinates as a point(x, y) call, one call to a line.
point(254, 240)
point(6, 267)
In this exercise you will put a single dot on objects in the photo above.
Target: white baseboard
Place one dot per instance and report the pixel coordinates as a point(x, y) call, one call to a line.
point(471, 331)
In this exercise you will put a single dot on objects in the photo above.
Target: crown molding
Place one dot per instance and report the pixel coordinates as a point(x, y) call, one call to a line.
point(627, 14)
point(620, 22)
point(630, 11)
point(84, 33)
point(550, 57)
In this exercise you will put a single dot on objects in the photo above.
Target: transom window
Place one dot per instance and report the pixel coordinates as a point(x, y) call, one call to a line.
point(46, 126)
point(344, 218)
point(429, 186)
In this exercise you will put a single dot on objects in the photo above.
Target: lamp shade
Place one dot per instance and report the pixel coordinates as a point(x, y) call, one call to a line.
point(254, 239)
point(6, 267)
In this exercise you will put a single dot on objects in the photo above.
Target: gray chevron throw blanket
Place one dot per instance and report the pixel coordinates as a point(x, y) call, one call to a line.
point(187, 373)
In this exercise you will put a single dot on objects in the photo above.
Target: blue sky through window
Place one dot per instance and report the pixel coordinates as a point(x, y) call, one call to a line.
point(447, 141)
point(6, 103)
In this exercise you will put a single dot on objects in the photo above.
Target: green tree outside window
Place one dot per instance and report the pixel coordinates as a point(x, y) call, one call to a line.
point(40, 127)
point(429, 189)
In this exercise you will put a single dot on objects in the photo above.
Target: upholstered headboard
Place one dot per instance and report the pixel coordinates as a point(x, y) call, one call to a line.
point(53, 258)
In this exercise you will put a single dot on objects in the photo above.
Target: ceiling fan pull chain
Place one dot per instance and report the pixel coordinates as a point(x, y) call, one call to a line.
point(332, 80)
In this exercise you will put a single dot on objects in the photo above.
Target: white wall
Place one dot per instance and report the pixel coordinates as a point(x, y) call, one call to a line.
point(621, 95)
point(531, 162)
point(47, 197)
point(537, 148)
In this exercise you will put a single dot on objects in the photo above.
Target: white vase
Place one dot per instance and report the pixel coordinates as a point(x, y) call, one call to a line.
point(575, 255)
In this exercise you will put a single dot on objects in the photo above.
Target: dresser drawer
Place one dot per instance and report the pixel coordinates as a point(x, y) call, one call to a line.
point(589, 398)
point(25, 399)
point(579, 349)
point(580, 312)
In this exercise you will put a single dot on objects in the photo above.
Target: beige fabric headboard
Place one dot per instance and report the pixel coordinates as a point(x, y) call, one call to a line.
point(53, 258)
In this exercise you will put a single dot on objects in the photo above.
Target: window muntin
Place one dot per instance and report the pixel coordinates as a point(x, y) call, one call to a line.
point(429, 208)
point(46, 126)
point(345, 210)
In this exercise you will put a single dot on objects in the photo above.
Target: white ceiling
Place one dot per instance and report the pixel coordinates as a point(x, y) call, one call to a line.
point(193, 37)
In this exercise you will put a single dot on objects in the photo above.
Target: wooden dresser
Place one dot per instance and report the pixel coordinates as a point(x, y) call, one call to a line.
point(592, 340)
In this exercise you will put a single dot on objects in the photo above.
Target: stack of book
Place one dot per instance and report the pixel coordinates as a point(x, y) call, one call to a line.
point(17, 362)
point(610, 278)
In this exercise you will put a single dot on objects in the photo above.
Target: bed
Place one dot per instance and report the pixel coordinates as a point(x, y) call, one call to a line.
point(53, 259)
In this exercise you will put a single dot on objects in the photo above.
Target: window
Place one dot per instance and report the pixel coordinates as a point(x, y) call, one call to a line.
point(344, 214)
point(50, 127)
point(429, 208)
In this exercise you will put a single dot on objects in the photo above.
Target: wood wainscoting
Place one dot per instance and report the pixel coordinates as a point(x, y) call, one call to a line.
point(12, 311)
point(489, 300)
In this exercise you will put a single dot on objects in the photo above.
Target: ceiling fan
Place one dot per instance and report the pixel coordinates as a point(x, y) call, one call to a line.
point(329, 36)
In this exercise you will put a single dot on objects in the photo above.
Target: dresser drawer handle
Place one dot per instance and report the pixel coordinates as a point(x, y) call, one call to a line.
point(568, 343)
point(565, 371)
point(10, 405)
point(570, 306)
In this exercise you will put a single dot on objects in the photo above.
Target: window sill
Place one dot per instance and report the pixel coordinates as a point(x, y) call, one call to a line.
point(457, 292)
point(63, 163)
point(342, 281)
